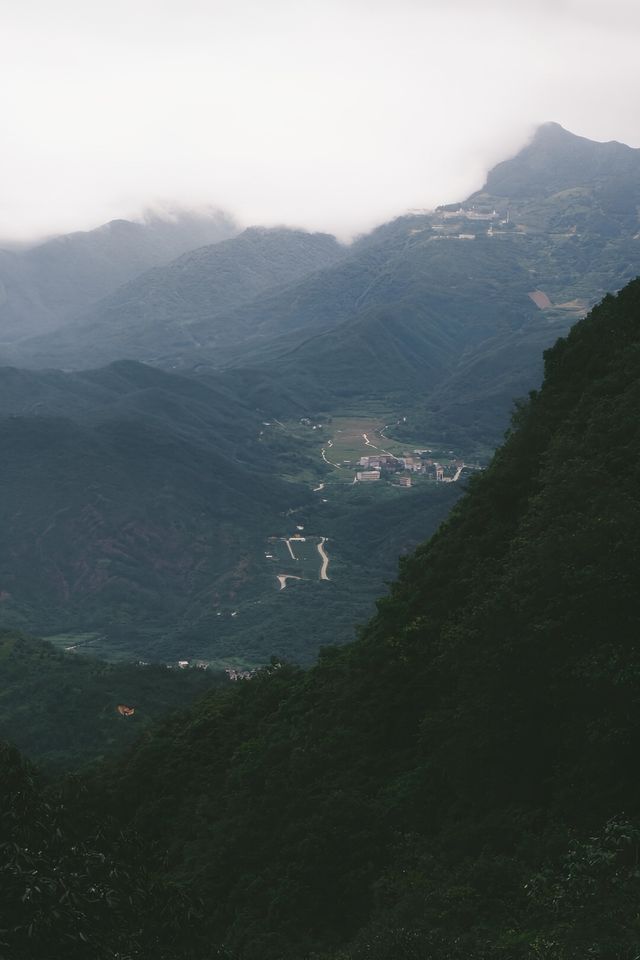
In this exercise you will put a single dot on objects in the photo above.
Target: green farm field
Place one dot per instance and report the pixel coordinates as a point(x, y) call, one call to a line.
point(349, 438)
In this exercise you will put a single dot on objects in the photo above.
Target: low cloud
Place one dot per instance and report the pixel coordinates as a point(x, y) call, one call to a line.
point(328, 115)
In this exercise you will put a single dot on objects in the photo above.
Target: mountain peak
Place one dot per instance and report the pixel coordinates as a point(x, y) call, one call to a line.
point(556, 159)
point(553, 132)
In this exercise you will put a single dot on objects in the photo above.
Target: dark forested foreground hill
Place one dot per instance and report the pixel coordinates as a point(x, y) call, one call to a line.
point(461, 782)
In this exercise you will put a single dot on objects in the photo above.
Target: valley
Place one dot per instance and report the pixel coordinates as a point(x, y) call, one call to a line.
point(272, 384)
point(320, 480)
point(463, 771)
point(322, 675)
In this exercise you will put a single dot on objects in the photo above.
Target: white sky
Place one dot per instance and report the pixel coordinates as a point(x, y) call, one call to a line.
point(329, 114)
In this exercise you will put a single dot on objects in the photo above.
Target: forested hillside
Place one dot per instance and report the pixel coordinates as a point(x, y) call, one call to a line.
point(133, 503)
point(137, 507)
point(460, 782)
point(61, 709)
point(448, 312)
point(182, 308)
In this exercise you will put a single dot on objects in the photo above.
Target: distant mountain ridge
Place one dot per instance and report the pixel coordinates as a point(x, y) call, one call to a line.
point(162, 314)
point(45, 285)
point(445, 313)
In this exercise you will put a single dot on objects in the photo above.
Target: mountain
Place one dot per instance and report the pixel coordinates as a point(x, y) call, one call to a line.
point(136, 502)
point(417, 312)
point(443, 313)
point(460, 781)
point(556, 160)
point(171, 309)
point(210, 414)
point(144, 515)
point(484, 284)
point(46, 285)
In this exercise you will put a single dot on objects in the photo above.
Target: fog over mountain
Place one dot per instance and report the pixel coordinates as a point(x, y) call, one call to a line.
point(331, 116)
point(50, 282)
point(319, 480)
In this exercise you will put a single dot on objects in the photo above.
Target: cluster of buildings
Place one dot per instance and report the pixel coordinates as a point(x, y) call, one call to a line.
point(449, 225)
point(239, 674)
point(462, 214)
point(374, 467)
point(187, 664)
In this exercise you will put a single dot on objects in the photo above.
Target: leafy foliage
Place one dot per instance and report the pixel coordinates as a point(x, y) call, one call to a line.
point(461, 781)
point(61, 709)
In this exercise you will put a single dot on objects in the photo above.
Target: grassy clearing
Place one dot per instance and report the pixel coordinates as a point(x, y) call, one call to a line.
point(348, 441)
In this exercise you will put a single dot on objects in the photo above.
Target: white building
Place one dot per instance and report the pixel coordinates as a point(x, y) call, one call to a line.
point(365, 476)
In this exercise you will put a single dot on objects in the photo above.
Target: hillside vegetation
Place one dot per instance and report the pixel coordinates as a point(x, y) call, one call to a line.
point(461, 781)
point(61, 709)
point(137, 510)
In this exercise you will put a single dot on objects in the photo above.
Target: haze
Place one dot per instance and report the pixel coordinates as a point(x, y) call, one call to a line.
point(328, 114)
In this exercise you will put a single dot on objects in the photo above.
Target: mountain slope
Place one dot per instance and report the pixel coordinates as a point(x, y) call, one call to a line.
point(557, 160)
point(460, 782)
point(140, 507)
point(60, 709)
point(409, 329)
point(147, 497)
point(486, 284)
point(445, 313)
point(50, 283)
point(180, 307)
point(210, 414)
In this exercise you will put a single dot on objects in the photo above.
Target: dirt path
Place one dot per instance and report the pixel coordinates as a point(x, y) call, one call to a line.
point(290, 548)
point(316, 489)
point(456, 476)
point(283, 577)
point(330, 462)
point(324, 558)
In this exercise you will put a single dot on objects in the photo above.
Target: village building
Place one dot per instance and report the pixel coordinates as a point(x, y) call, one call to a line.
point(365, 476)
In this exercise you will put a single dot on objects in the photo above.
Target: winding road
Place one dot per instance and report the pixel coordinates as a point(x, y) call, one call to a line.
point(330, 462)
point(324, 557)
